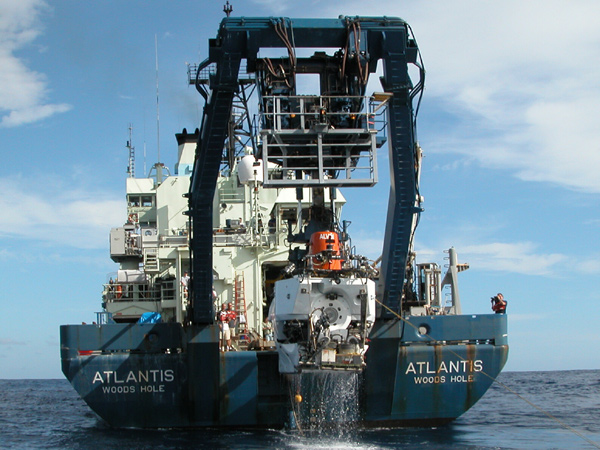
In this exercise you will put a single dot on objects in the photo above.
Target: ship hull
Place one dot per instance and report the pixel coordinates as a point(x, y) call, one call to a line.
point(165, 376)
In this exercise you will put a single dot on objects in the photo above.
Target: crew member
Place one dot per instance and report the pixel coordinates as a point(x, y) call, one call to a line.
point(232, 319)
point(499, 304)
point(225, 335)
point(268, 329)
point(185, 282)
point(272, 225)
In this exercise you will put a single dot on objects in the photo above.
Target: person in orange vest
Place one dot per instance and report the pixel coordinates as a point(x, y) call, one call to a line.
point(225, 335)
point(499, 304)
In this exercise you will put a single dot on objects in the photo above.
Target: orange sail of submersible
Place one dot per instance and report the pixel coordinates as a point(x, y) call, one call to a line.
point(324, 248)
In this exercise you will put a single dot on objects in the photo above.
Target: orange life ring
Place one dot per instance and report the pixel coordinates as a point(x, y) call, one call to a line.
point(119, 291)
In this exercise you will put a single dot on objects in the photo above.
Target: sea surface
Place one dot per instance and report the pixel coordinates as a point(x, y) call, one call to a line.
point(545, 410)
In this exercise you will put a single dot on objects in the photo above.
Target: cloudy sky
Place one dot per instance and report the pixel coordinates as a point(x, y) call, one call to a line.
point(508, 126)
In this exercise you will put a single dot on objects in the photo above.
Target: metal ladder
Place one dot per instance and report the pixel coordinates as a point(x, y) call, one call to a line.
point(239, 306)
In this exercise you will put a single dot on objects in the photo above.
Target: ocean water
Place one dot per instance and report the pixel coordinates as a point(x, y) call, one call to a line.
point(48, 414)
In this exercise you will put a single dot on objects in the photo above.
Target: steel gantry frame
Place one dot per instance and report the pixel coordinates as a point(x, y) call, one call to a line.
point(370, 39)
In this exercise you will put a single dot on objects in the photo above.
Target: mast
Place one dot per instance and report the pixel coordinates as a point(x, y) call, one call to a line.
point(131, 159)
point(157, 103)
point(158, 166)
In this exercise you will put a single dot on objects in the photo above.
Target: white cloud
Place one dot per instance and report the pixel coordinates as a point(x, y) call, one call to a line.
point(509, 257)
point(32, 113)
point(519, 257)
point(518, 78)
point(520, 73)
point(23, 92)
point(45, 211)
point(590, 266)
point(367, 246)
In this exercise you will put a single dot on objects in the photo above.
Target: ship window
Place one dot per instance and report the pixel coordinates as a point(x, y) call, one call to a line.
point(146, 200)
point(134, 200)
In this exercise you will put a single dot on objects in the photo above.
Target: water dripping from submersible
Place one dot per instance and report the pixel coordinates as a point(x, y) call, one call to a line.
point(325, 400)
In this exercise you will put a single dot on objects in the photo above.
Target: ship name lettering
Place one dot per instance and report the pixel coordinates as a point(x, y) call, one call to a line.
point(450, 367)
point(141, 376)
point(430, 380)
point(118, 389)
point(152, 388)
point(461, 379)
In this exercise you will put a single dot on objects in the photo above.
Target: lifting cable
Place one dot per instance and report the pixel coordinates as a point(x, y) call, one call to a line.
point(494, 379)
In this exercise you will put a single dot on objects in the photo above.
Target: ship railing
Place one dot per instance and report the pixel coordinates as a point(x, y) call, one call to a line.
point(235, 240)
point(245, 238)
point(135, 292)
point(231, 195)
point(174, 240)
point(456, 329)
point(133, 251)
point(205, 74)
point(306, 112)
point(321, 140)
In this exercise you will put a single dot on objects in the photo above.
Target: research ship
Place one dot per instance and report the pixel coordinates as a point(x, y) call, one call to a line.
point(252, 216)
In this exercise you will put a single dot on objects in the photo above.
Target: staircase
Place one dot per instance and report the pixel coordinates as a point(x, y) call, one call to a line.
point(151, 259)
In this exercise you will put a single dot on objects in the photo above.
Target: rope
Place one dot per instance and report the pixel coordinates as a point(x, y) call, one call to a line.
point(494, 379)
point(293, 403)
point(546, 413)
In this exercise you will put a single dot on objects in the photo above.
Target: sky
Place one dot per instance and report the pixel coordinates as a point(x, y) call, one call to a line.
point(508, 125)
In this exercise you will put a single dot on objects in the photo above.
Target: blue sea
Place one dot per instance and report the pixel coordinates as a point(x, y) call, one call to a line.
point(539, 410)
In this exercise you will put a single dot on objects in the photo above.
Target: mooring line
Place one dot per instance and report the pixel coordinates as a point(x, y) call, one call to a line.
point(494, 379)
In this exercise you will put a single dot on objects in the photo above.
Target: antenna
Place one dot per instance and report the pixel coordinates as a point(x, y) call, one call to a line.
point(131, 148)
point(158, 166)
point(227, 8)
point(157, 108)
point(145, 137)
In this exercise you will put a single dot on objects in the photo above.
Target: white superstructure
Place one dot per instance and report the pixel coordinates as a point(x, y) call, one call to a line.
point(251, 225)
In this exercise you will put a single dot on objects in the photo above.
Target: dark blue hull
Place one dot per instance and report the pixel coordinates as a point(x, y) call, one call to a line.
point(163, 375)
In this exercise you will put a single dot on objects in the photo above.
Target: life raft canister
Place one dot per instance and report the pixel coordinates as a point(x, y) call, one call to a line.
point(324, 247)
